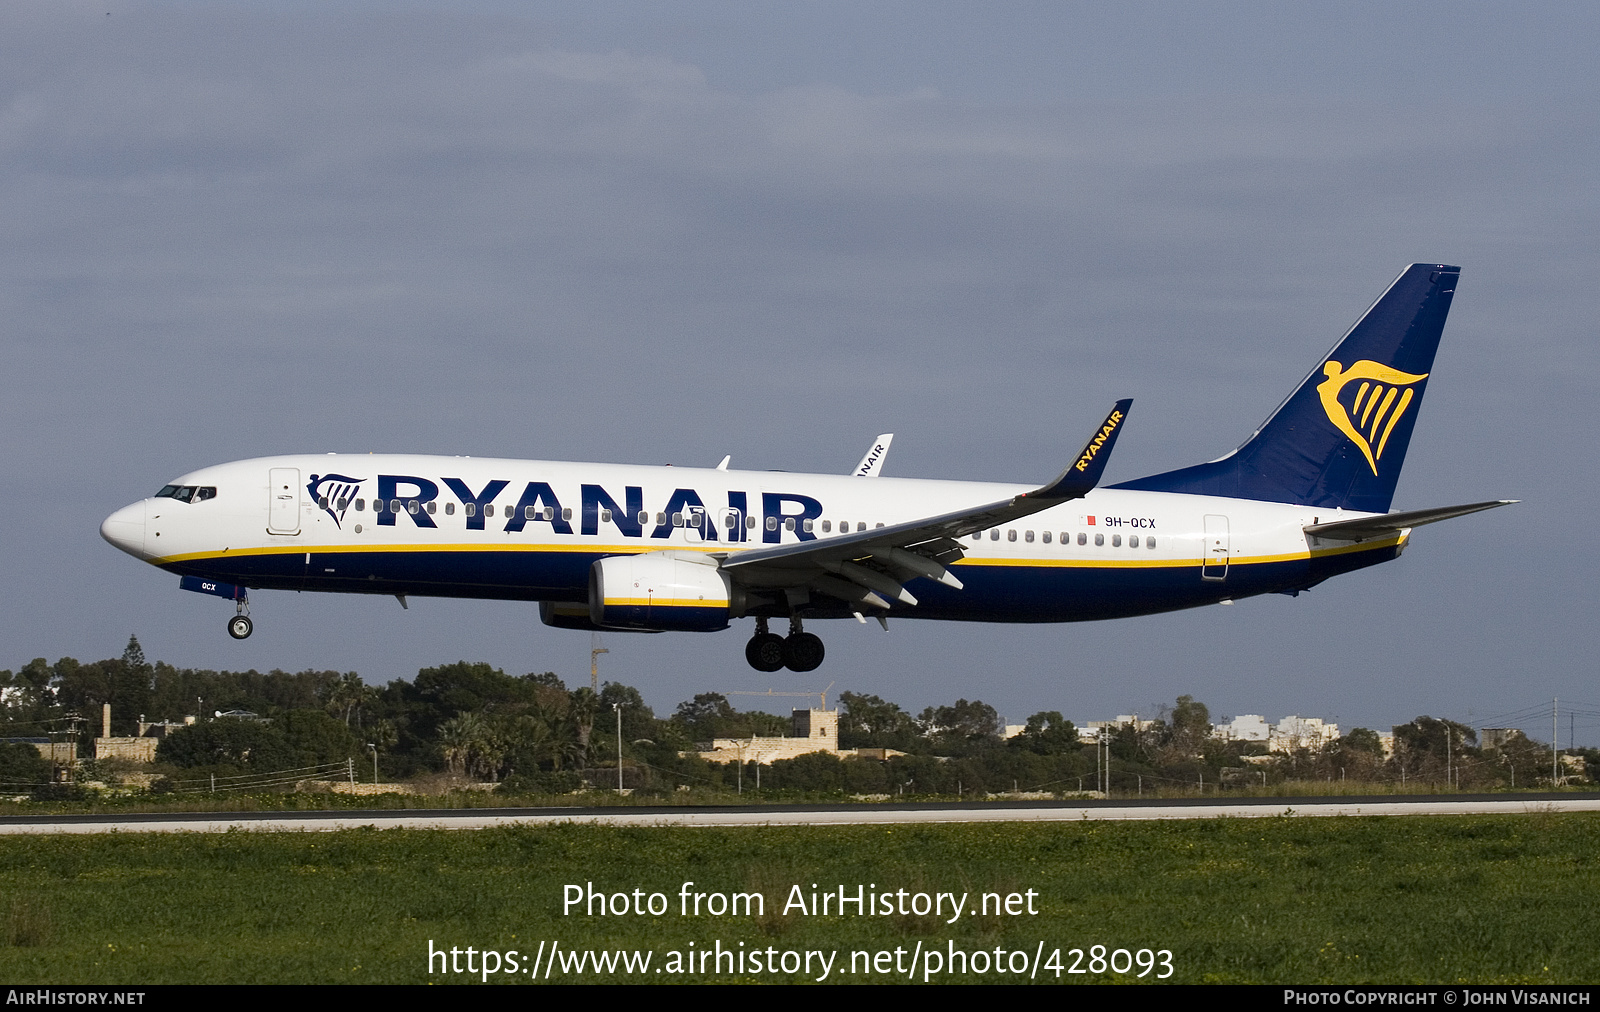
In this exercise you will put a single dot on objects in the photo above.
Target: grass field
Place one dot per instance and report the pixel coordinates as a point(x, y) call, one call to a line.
point(1418, 899)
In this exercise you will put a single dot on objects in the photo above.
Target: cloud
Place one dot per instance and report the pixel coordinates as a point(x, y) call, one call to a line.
point(240, 231)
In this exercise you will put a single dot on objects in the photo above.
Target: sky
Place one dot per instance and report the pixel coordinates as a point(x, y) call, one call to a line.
point(646, 233)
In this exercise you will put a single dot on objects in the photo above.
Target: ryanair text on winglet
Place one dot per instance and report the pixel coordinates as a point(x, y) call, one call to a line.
point(1110, 426)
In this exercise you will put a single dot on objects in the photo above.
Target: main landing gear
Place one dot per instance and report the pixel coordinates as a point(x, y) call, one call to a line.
point(799, 651)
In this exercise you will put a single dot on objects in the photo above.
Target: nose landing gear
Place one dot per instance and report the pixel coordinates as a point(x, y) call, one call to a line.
point(799, 651)
point(239, 626)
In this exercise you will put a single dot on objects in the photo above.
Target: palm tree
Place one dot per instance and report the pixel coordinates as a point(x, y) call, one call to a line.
point(348, 693)
point(582, 710)
point(458, 737)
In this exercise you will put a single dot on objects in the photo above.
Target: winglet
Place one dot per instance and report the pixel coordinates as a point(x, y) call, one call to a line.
point(872, 464)
point(1084, 473)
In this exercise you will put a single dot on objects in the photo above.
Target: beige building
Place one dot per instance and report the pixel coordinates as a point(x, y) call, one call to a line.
point(61, 753)
point(139, 749)
point(1294, 732)
point(810, 731)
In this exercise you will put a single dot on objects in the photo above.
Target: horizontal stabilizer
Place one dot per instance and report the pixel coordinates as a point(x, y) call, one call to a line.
point(1387, 525)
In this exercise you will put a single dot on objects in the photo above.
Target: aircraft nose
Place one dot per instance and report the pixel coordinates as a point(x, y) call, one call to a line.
point(125, 529)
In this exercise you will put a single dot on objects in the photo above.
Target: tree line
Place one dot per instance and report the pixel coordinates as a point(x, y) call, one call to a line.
point(531, 733)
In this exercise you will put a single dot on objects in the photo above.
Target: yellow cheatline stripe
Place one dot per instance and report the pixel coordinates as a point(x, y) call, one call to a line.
point(379, 549)
point(1236, 560)
point(635, 549)
point(663, 602)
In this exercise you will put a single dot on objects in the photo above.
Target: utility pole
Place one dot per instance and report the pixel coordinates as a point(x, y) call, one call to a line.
point(1555, 775)
point(1107, 735)
point(595, 650)
point(618, 708)
point(1449, 735)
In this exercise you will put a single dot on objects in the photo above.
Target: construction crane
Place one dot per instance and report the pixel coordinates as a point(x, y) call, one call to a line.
point(595, 650)
point(822, 693)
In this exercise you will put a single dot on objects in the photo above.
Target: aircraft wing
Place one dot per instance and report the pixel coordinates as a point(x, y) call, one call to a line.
point(1388, 524)
point(869, 567)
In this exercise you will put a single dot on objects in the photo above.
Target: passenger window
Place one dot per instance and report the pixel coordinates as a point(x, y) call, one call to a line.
point(1099, 539)
point(978, 536)
point(1150, 543)
point(772, 523)
point(470, 509)
point(1011, 535)
point(1046, 537)
point(449, 509)
point(677, 519)
point(827, 525)
point(750, 523)
point(1083, 539)
point(322, 502)
point(1116, 541)
point(361, 504)
point(994, 535)
point(411, 507)
point(605, 516)
point(788, 523)
point(549, 512)
point(643, 518)
point(805, 525)
point(433, 507)
point(1028, 537)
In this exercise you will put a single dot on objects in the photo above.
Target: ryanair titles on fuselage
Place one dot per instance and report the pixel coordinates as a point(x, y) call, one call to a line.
point(417, 498)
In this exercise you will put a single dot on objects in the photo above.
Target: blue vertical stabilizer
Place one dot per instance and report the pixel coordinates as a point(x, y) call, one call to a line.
point(1340, 438)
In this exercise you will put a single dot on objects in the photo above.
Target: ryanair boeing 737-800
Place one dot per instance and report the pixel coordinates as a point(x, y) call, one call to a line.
point(655, 549)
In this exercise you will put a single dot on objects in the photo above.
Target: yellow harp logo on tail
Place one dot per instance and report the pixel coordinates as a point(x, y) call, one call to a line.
point(1381, 398)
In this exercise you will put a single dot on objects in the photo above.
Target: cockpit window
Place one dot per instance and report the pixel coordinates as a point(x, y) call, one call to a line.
point(187, 493)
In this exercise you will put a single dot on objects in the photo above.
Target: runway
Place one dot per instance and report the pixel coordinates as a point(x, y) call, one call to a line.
point(807, 815)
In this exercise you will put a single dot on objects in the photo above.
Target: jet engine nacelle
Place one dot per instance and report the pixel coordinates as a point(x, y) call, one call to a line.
point(662, 591)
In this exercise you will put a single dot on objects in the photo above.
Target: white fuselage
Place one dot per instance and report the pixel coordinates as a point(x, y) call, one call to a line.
point(529, 530)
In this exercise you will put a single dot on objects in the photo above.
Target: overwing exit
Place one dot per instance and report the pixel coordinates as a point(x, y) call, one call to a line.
point(658, 549)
